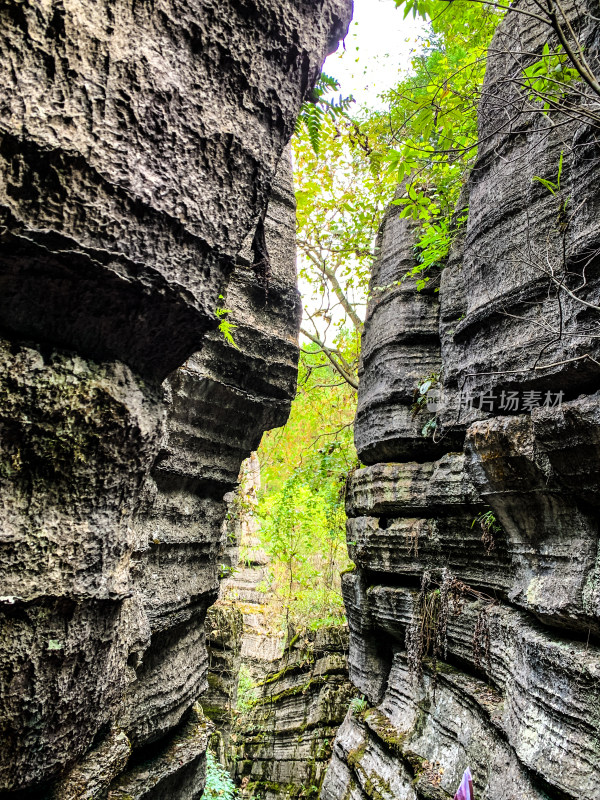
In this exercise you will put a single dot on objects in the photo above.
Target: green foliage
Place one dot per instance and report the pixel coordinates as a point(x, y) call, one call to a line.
point(420, 395)
point(420, 8)
point(304, 470)
point(428, 139)
point(429, 428)
point(304, 532)
point(552, 187)
point(219, 785)
point(490, 529)
point(246, 690)
point(341, 196)
point(321, 107)
point(487, 520)
point(420, 402)
point(322, 413)
point(547, 80)
point(226, 327)
point(358, 705)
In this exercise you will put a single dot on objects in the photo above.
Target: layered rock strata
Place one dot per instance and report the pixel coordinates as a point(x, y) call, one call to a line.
point(138, 148)
point(285, 740)
point(262, 641)
point(219, 403)
point(473, 611)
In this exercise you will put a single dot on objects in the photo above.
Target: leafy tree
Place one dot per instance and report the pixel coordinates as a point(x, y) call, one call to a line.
point(322, 414)
point(427, 138)
point(304, 469)
point(341, 194)
point(433, 114)
point(304, 532)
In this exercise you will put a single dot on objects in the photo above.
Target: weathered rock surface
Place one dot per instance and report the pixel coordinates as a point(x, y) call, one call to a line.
point(276, 710)
point(494, 662)
point(138, 150)
point(261, 640)
point(286, 738)
point(174, 769)
point(76, 441)
point(516, 324)
point(400, 348)
point(91, 778)
point(218, 405)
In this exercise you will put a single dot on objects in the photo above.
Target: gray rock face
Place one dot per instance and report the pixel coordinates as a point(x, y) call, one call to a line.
point(91, 778)
point(218, 406)
point(175, 769)
point(400, 350)
point(494, 663)
point(138, 150)
point(76, 441)
point(552, 534)
point(287, 736)
point(515, 236)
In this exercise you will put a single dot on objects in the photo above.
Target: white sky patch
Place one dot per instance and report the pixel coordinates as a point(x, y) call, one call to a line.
point(379, 48)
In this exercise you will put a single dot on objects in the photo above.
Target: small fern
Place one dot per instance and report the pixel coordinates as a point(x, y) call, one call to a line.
point(313, 112)
point(358, 705)
point(226, 327)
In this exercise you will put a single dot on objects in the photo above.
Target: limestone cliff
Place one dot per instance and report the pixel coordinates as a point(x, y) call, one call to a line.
point(474, 612)
point(285, 740)
point(138, 148)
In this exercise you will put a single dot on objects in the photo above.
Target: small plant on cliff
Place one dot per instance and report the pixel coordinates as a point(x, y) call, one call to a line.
point(358, 705)
point(219, 785)
point(489, 525)
point(321, 107)
point(246, 690)
point(427, 633)
point(226, 327)
point(552, 186)
point(421, 401)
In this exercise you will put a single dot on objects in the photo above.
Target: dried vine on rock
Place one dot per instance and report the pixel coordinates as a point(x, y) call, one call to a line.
point(427, 633)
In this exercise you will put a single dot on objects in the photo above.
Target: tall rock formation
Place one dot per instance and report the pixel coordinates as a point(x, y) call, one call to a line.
point(285, 740)
point(138, 148)
point(474, 614)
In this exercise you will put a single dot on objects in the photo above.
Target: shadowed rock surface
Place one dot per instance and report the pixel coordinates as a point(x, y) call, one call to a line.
point(138, 150)
point(477, 644)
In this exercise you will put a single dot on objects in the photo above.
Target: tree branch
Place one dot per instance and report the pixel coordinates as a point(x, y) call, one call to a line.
point(332, 358)
point(335, 285)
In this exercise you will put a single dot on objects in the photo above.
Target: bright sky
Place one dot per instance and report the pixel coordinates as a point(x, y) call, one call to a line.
point(378, 50)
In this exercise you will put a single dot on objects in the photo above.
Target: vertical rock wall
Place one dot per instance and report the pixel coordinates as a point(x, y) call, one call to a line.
point(285, 740)
point(138, 148)
point(513, 608)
